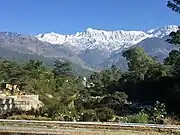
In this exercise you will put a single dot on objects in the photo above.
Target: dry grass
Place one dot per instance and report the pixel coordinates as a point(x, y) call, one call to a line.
point(119, 132)
point(116, 132)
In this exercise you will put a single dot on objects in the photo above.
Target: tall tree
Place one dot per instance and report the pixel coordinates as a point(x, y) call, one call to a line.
point(174, 61)
point(137, 58)
point(105, 81)
point(138, 62)
point(37, 77)
point(34, 68)
point(62, 68)
point(175, 36)
point(12, 73)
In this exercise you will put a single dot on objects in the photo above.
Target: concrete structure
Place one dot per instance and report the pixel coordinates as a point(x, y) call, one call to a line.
point(27, 102)
point(21, 102)
point(6, 105)
point(17, 101)
point(11, 87)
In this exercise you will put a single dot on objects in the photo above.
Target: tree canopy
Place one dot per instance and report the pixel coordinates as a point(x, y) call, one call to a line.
point(175, 36)
point(174, 5)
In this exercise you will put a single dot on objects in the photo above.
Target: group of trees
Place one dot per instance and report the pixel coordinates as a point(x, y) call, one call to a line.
point(64, 95)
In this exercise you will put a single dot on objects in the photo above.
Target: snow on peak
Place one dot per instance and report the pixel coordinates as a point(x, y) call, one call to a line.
point(104, 40)
point(161, 32)
point(89, 29)
point(52, 38)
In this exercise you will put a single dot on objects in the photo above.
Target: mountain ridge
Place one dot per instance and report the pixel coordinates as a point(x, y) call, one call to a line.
point(104, 40)
point(92, 49)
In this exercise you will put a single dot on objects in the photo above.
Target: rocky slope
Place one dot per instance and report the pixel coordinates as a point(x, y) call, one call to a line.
point(14, 46)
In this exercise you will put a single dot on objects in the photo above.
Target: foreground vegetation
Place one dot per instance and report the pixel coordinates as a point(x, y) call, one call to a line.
point(110, 95)
point(149, 92)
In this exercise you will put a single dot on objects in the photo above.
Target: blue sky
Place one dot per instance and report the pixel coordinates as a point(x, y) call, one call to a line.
point(70, 16)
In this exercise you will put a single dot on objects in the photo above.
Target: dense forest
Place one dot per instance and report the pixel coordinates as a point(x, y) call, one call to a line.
point(148, 92)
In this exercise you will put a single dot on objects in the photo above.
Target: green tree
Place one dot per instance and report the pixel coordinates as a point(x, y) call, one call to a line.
point(175, 36)
point(88, 115)
point(114, 101)
point(62, 68)
point(39, 78)
point(173, 60)
point(12, 73)
point(138, 63)
point(174, 5)
point(34, 68)
point(105, 81)
point(104, 114)
point(7, 68)
point(157, 71)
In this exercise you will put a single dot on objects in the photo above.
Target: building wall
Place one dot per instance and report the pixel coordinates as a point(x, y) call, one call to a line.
point(23, 103)
point(6, 105)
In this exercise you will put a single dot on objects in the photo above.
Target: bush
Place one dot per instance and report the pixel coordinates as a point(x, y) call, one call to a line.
point(88, 115)
point(171, 120)
point(28, 117)
point(137, 118)
point(104, 114)
point(59, 118)
point(158, 113)
point(155, 114)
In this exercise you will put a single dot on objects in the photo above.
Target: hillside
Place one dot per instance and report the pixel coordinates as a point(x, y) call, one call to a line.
point(88, 50)
point(97, 47)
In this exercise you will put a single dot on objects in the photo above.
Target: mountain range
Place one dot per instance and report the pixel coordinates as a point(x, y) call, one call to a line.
point(92, 49)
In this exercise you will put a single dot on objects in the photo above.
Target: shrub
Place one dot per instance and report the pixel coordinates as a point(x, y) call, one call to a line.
point(104, 114)
point(27, 117)
point(59, 118)
point(88, 115)
point(158, 112)
point(171, 120)
point(136, 118)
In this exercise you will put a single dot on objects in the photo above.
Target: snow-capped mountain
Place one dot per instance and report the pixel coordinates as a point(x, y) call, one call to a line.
point(156, 47)
point(107, 41)
point(96, 39)
point(97, 49)
point(161, 32)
